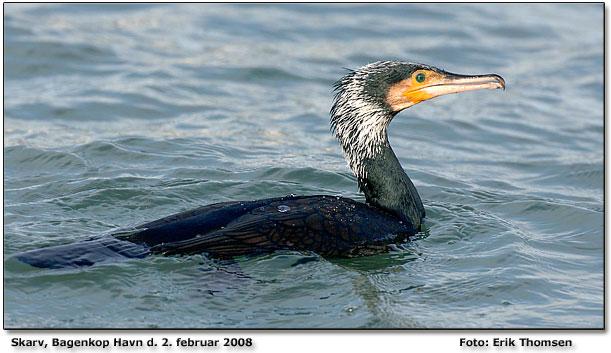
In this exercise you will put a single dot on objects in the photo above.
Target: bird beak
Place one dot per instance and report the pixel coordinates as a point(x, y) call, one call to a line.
point(447, 83)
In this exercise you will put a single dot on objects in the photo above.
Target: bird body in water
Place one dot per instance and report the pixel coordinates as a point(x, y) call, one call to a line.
point(365, 103)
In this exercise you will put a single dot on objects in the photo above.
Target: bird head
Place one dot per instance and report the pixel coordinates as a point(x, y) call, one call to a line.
point(394, 86)
point(368, 98)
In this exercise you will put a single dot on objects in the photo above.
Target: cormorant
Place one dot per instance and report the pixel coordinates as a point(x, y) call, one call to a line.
point(365, 103)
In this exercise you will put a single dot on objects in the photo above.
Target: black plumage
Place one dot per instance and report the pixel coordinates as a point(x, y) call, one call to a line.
point(327, 225)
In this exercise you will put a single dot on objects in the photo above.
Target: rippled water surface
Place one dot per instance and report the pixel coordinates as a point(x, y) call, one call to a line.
point(115, 115)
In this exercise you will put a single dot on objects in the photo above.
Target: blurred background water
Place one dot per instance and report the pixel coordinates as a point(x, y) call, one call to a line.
point(119, 114)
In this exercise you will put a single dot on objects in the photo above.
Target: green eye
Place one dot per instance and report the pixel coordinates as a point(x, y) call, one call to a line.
point(420, 77)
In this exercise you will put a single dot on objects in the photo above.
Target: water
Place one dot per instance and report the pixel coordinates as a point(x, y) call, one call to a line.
point(120, 114)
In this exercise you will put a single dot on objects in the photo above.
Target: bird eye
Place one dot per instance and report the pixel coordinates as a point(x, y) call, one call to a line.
point(420, 77)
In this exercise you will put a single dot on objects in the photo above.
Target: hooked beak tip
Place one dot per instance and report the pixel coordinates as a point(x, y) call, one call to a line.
point(500, 80)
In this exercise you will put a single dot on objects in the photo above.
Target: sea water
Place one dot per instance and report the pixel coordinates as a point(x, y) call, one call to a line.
point(116, 114)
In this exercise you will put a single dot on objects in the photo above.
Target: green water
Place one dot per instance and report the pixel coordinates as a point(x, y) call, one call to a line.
point(115, 115)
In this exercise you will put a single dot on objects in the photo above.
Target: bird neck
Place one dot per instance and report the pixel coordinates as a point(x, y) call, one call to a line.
point(386, 185)
point(361, 128)
point(380, 176)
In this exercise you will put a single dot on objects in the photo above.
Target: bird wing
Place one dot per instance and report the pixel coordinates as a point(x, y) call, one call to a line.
point(186, 225)
point(326, 225)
